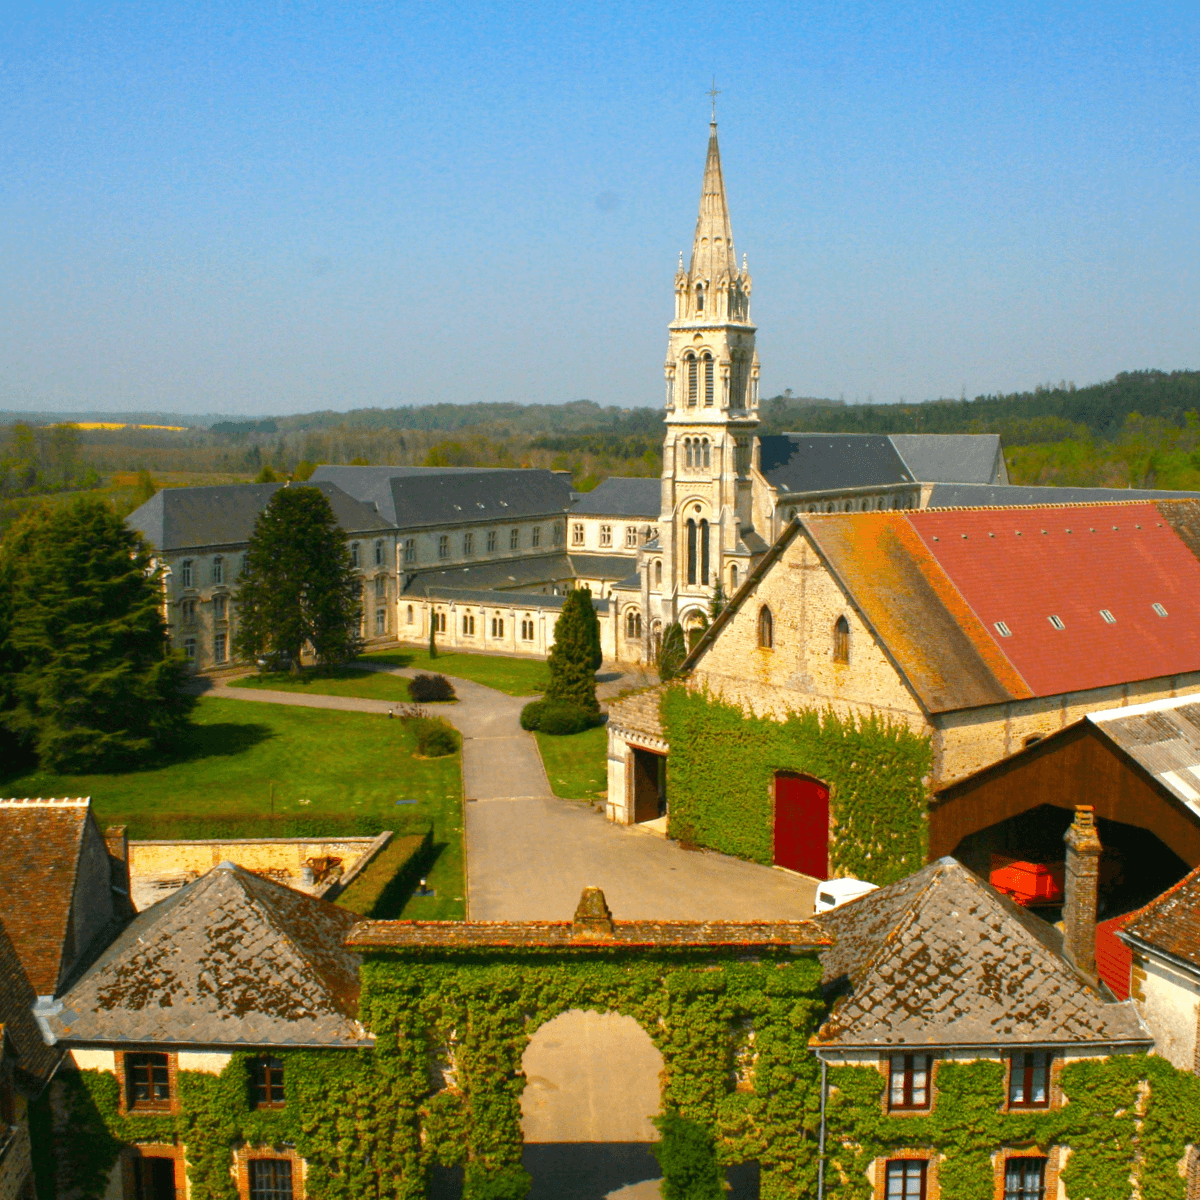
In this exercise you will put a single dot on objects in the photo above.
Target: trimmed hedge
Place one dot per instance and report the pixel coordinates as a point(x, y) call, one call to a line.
point(386, 882)
point(430, 689)
point(557, 719)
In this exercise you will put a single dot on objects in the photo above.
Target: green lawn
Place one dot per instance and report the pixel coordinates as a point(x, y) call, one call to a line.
point(514, 676)
point(311, 760)
point(339, 681)
point(577, 765)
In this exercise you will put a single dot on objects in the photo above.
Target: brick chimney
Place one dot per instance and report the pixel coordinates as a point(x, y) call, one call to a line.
point(1081, 890)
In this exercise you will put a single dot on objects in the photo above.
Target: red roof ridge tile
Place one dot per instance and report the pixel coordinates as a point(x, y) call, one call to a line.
point(67, 801)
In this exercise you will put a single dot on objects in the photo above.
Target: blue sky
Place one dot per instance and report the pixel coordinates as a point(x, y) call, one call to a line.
point(253, 208)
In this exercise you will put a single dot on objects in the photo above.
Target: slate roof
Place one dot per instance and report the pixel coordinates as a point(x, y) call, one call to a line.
point(1170, 924)
point(939, 587)
point(185, 518)
point(1163, 737)
point(416, 497)
point(603, 566)
point(422, 935)
point(517, 600)
point(821, 462)
point(40, 845)
point(501, 575)
point(971, 458)
point(620, 496)
point(943, 959)
point(34, 1060)
point(229, 960)
point(978, 495)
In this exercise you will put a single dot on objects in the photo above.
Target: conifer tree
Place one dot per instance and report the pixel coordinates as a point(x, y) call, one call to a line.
point(91, 683)
point(432, 634)
point(717, 605)
point(672, 652)
point(572, 673)
point(300, 587)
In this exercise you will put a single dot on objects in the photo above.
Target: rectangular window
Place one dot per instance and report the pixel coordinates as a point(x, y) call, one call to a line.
point(219, 643)
point(909, 1081)
point(218, 571)
point(1029, 1079)
point(577, 534)
point(270, 1179)
point(147, 1082)
point(491, 540)
point(606, 535)
point(1024, 1179)
point(379, 554)
point(444, 546)
point(220, 607)
point(354, 554)
point(468, 543)
point(468, 624)
point(185, 573)
point(906, 1179)
point(380, 586)
point(560, 532)
point(187, 610)
point(514, 539)
point(527, 630)
point(497, 627)
point(245, 563)
point(189, 649)
point(410, 550)
point(536, 539)
point(266, 1076)
point(380, 621)
point(630, 537)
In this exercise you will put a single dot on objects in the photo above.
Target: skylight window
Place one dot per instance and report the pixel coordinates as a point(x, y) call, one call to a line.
point(1003, 630)
point(1158, 608)
point(1109, 619)
point(1057, 622)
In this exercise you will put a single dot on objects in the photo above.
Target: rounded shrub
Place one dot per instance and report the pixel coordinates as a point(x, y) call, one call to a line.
point(531, 715)
point(429, 689)
point(437, 740)
point(562, 719)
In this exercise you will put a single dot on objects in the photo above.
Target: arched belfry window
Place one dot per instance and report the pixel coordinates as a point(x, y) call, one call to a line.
point(699, 298)
point(687, 450)
point(693, 379)
point(691, 551)
point(733, 577)
point(707, 453)
point(766, 628)
point(703, 534)
point(841, 640)
point(708, 378)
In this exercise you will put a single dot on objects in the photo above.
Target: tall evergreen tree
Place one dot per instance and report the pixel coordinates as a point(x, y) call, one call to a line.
point(672, 652)
point(587, 611)
point(300, 586)
point(572, 673)
point(92, 683)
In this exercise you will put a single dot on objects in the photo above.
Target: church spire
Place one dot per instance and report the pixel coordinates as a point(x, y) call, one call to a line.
point(713, 255)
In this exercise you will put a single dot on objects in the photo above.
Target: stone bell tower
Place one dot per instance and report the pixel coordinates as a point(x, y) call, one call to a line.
point(712, 411)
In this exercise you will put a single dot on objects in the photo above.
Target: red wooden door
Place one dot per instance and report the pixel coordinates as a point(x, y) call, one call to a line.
point(802, 825)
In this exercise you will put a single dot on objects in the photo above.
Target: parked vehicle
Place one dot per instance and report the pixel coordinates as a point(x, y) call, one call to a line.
point(833, 893)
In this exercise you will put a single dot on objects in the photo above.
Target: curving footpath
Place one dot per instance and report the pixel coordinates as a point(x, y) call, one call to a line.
point(529, 854)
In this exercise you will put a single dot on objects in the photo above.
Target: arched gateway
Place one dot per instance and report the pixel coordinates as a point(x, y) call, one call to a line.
point(712, 1018)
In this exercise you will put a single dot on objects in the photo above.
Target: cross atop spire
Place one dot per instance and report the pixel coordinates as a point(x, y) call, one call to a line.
point(714, 94)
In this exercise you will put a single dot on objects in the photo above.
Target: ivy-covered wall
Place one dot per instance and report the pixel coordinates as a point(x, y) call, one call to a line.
point(1127, 1116)
point(721, 769)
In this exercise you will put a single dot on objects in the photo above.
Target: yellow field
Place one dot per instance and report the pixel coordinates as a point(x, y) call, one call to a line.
point(119, 425)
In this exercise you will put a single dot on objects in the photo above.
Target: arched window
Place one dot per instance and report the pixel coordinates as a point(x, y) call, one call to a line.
point(633, 625)
point(658, 572)
point(732, 580)
point(699, 298)
point(708, 378)
point(707, 453)
point(691, 551)
point(841, 640)
point(766, 628)
point(703, 533)
point(687, 449)
point(693, 379)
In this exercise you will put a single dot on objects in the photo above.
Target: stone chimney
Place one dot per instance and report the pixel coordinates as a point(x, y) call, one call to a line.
point(1081, 889)
point(592, 918)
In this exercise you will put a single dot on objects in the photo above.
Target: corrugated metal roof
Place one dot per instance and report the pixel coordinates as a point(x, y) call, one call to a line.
point(224, 515)
point(621, 496)
point(943, 959)
point(229, 960)
point(1163, 737)
point(1018, 568)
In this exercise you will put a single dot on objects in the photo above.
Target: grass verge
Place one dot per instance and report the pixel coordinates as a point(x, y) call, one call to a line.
point(577, 763)
point(334, 681)
point(261, 760)
point(513, 676)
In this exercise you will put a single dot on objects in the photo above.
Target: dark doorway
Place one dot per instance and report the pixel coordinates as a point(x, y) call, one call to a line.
point(649, 786)
point(154, 1178)
point(801, 824)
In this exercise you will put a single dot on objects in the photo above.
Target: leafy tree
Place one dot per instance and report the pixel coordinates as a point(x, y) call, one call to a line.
point(687, 1154)
point(266, 475)
point(572, 658)
point(91, 683)
point(303, 471)
point(145, 489)
point(672, 652)
point(300, 587)
point(717, 605)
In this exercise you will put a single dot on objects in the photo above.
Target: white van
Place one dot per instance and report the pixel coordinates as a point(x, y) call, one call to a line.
point(835, 892)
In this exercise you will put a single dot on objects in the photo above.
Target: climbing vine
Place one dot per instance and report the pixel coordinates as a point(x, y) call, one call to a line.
point(1129, 1115)
point(721, 769)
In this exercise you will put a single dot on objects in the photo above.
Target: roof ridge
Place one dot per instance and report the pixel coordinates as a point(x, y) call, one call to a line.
point(45, 801)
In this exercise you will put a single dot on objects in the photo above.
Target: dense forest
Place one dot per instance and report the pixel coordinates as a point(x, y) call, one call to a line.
point(1139, 429)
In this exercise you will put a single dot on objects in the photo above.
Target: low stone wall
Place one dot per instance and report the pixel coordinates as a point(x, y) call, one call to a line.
point(157, 869)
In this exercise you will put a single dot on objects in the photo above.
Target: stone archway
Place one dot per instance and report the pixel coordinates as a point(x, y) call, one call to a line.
point(590, 1077)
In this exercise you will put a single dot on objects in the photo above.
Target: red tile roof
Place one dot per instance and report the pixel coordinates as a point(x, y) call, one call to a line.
point(1020, 567)
point(40, 843)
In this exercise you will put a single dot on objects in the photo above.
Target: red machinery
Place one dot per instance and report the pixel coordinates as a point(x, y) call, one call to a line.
point(1030, 884)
